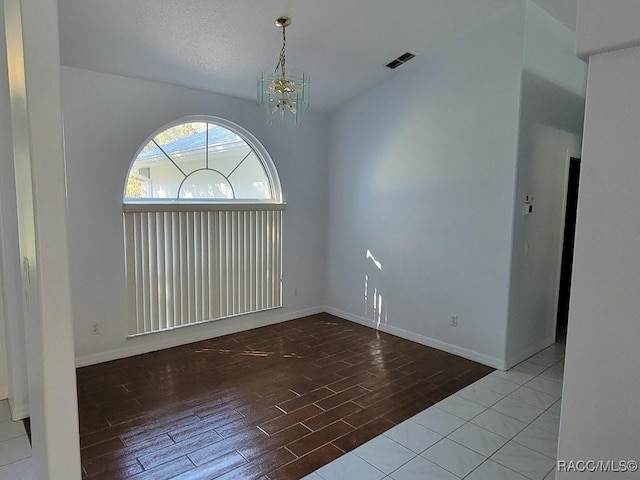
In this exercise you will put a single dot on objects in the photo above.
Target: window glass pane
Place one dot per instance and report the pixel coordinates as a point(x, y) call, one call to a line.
point(250, 181)
point(138, 184)
point(165, 180)
point(206, 184)
point(226, 159)
point(182, 147)
point(181, 137)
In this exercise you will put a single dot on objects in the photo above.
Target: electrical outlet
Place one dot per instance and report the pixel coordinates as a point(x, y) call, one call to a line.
point(454, 320)
point(94, 329)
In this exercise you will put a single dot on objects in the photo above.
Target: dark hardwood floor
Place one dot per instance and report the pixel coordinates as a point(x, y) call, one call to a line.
point(272, 403)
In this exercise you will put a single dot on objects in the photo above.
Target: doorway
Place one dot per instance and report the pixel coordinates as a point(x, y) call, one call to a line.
point(568, 242)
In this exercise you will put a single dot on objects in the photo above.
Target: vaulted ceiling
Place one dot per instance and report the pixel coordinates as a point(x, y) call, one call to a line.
point(220, 46)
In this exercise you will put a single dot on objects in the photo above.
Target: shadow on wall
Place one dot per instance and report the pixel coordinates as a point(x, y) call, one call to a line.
point(374, 291)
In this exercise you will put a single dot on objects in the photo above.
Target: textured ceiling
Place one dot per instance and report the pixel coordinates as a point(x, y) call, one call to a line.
point(220, 45)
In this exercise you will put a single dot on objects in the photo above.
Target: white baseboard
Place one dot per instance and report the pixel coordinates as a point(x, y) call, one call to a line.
point(524, 354)
point(221, 329)
point(423, 340)
point(231, 327)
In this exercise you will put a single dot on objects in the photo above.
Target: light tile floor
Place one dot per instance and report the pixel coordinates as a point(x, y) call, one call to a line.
point(15, 449)
point(503, 427)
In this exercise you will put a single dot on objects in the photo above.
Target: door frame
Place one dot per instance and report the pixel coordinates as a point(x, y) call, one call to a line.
point(563, 216)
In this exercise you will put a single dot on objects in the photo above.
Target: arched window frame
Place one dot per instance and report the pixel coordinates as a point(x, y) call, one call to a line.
point(261, 152)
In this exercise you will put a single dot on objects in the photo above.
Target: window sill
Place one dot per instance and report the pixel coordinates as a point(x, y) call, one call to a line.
point(182, 206)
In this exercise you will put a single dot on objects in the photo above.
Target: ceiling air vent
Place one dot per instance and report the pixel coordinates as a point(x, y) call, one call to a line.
point(404, 58)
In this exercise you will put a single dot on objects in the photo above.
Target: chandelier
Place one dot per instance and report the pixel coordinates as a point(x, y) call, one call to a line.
point(282, 94)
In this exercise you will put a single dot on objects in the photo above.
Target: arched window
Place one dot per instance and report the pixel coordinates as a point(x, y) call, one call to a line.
point(203, 226)
point(202, 159)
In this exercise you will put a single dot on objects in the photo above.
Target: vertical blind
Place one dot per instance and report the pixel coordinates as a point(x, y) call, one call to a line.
point(188, 264)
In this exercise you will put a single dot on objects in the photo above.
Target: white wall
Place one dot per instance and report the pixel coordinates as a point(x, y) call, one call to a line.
point(106, 119)
point(551, 119)
point(422, 174)
point(600, 416)
point(16, 366)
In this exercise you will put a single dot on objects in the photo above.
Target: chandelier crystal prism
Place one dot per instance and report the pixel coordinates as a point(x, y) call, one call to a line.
point(281, 94)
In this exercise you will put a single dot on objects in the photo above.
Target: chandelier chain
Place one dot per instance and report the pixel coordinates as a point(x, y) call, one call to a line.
point(283, 57)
